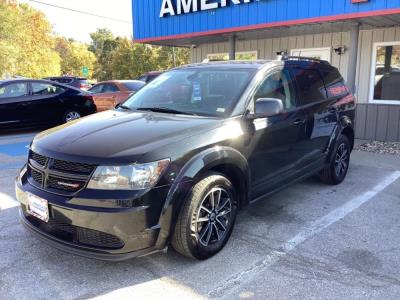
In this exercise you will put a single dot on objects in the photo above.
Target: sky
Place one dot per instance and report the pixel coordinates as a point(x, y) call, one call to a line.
point(79, 26)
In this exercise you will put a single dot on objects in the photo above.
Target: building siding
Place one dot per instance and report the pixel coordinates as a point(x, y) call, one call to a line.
point(373, 121)
point(148, 24)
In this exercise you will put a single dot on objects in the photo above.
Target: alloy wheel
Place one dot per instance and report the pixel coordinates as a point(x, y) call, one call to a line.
point(72, 115)
point(213, 217)
point(341, 159)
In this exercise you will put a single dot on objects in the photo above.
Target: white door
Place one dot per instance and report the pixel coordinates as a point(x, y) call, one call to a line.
point(318, 53)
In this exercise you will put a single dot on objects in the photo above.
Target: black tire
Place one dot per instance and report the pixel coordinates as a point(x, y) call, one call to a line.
point(337, 169)
point(68, 115)
point(195, 225)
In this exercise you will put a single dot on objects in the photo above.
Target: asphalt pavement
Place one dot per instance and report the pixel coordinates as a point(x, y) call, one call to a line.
point(310, 241)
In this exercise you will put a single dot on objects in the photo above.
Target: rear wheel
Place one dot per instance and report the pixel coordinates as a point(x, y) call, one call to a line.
point(336, 172)
point(207, 218)
point(71, 115)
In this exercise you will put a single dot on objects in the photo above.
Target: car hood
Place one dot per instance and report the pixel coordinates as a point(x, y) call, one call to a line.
point(118, 136)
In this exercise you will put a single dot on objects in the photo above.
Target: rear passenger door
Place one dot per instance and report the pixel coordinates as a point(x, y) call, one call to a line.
point(317, 114)
point(46, 104)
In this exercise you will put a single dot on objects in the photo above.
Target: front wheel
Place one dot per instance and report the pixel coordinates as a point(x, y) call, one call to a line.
point(337, 169)
point(207, 218)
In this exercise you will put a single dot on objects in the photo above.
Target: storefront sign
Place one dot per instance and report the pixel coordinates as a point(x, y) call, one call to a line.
point(178, 7)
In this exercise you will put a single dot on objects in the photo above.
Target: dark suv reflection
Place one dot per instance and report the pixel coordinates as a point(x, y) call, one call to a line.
point(176, 161)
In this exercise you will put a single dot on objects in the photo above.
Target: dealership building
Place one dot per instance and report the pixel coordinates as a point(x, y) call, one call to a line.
point(360, 37)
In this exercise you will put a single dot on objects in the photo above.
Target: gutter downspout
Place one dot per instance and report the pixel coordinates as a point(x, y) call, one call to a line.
point(232, 47)
point(353, 55)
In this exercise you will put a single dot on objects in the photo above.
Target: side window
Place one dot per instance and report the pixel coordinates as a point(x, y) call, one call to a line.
point(334, 83)
point(97, 89)
point(14, 90)
point(310, 86)
point(278, 85)
point(142, 78)
point(39, 88)
point(110, 88)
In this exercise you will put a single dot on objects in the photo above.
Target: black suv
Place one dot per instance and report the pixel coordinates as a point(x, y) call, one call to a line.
point(176, 161)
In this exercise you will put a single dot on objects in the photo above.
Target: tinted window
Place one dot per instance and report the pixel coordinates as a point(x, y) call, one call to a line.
point(63, 80)
point(133, 86)
point(97, 89)
point(45, 89)
point(334, 83)
point(278, 85)
point(142, 78)
point(152, 77)
point(208, 92)
point(310, 86)
point(13, 90)
point(110, 88)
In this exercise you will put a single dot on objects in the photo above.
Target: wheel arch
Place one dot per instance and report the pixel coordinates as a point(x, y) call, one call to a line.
point(224, 160)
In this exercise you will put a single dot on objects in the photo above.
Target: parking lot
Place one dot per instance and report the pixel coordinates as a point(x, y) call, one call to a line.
point(309, 241)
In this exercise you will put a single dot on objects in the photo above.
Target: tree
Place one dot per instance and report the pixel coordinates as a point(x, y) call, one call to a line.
point(26, 43)
point(103, 44)
point(74, 56)
point(169, 57)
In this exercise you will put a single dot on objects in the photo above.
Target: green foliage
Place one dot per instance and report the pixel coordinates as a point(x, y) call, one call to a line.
point(26, 43)
point(74, 56)
point(28, 48)
point(103, 44)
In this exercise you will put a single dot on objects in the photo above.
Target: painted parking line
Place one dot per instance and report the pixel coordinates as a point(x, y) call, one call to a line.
point(7, 202)
point(234, 282)
point(17, 149)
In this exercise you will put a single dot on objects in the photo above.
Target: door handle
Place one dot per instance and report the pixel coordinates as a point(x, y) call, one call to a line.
point(299, 122)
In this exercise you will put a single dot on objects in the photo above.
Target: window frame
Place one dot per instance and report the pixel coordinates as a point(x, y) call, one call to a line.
point(372, 75)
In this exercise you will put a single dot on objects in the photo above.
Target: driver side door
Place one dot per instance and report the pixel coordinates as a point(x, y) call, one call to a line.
point(273, 158)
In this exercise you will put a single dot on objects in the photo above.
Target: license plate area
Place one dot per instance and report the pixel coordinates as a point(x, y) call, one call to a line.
point(38, 207)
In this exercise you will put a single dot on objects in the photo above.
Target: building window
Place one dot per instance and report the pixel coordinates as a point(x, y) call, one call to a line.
point(385, 73)
point(243, 55)
point(318, 53)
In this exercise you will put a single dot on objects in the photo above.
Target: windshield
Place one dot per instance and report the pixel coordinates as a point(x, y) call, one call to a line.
point(204, 92)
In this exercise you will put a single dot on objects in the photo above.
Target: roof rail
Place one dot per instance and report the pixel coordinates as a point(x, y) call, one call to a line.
point(286, 58)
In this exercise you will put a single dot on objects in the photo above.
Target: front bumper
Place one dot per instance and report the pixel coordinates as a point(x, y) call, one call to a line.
point(106, 233)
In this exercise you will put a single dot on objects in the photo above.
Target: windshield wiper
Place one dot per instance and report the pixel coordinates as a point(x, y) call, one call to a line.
point(166, 110)
point(124, 107)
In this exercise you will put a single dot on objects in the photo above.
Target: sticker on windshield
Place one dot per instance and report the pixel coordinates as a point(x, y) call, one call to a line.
point(196, 91)
point(221, 110)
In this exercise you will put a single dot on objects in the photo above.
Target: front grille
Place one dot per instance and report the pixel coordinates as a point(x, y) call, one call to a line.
point(78, 168)
point(78, 235)
point(40, 159)
point(58, 176)
point(36, 176)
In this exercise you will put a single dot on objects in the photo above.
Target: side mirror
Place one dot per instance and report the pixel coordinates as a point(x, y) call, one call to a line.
point(267, 107)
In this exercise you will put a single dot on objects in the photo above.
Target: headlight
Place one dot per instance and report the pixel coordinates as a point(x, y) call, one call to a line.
point(130, 177)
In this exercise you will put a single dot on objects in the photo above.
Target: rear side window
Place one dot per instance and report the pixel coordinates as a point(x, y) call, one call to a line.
point(110, 88)
point(45, 89)
point(310, 86)
point(335, 85)
point(98, 88)
point(134, 86)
